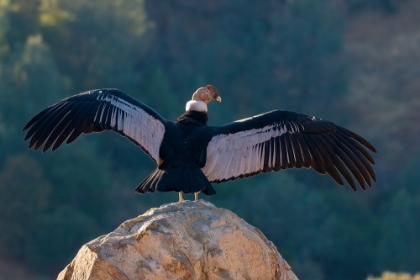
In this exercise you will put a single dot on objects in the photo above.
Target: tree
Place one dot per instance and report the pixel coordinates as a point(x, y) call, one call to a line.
point(4, 27)
point(101, 39)
point(24, 196)
point(323, 233)
point(27, 73)
point(399, 226)
point(310, 68)
point(287, 52)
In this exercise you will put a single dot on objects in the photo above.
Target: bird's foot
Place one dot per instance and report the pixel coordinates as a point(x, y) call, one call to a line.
point(181, 199)
point(196, 196)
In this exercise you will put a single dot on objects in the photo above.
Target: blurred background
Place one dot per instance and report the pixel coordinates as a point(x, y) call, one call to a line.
point(353, 62)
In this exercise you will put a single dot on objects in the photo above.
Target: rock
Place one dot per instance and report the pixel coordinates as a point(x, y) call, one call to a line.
point(186, 240)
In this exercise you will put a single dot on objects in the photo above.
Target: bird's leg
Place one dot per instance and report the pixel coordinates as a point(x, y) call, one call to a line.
point(196, 196)
point(181, 199)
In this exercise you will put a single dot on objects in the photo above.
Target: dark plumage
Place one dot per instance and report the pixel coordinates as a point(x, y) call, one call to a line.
point(190, 155)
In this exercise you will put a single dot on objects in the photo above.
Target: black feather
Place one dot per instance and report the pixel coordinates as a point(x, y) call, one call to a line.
point(35, 125)
point(358, 146)
point(349, 165)
point(65, 132)
point(354, 156)
point(290, 153)
point(306, 156)
point(106, 117)
point(284, 161)
point(78, 120)
point(180, 148)
point(343, 170)
point(266, 152)
point(40, 115)
point(48, 127)
point(329, 166)
point(278, 154)
point(316, 161)
point(357, 137)
point(297, 151)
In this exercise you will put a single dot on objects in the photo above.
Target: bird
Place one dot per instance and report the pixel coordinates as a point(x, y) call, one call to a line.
point(191, 155)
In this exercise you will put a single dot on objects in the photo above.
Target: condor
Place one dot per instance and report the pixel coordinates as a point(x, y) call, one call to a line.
point(191, 155)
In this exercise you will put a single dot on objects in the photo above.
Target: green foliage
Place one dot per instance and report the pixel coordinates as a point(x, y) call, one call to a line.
point(4, 27)
point(24, 196)
point(311, 226)
point(83, 28)
point(23, 20)
point(261, 56)
point(388, 6)
point(26, 73)
point(50, 240)
point(395, 276)
point(400, 227)
point(290, 53)
point(80, 179)
point(310, 69)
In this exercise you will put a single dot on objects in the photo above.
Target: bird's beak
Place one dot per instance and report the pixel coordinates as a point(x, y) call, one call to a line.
point(219, 99)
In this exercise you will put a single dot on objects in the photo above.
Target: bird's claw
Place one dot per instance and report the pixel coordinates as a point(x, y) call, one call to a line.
point(181, 199)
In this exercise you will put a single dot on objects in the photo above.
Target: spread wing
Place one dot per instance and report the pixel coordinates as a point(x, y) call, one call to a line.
point(95, 111)
point(279, 140)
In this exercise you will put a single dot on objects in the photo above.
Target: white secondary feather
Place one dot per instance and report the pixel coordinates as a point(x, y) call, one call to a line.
point(134, 122)
point(241, 153)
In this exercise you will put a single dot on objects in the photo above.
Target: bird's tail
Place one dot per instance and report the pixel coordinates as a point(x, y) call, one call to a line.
point(185, 179)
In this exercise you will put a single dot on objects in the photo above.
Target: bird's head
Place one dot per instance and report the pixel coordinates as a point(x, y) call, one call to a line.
point(201, 97)
point(206, 94)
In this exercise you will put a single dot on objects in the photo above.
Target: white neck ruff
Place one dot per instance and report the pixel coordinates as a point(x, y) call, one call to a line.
point(196, 105)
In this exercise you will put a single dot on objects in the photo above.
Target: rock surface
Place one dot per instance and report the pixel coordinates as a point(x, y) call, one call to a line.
point(186, 240)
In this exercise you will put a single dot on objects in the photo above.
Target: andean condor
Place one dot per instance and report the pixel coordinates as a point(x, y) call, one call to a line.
point(190, 155)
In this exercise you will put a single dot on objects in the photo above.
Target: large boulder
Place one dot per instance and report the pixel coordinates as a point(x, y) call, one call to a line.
point(186, 240)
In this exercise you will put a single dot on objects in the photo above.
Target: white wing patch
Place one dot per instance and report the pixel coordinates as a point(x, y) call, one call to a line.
point(241, 153)
point(135, 123)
